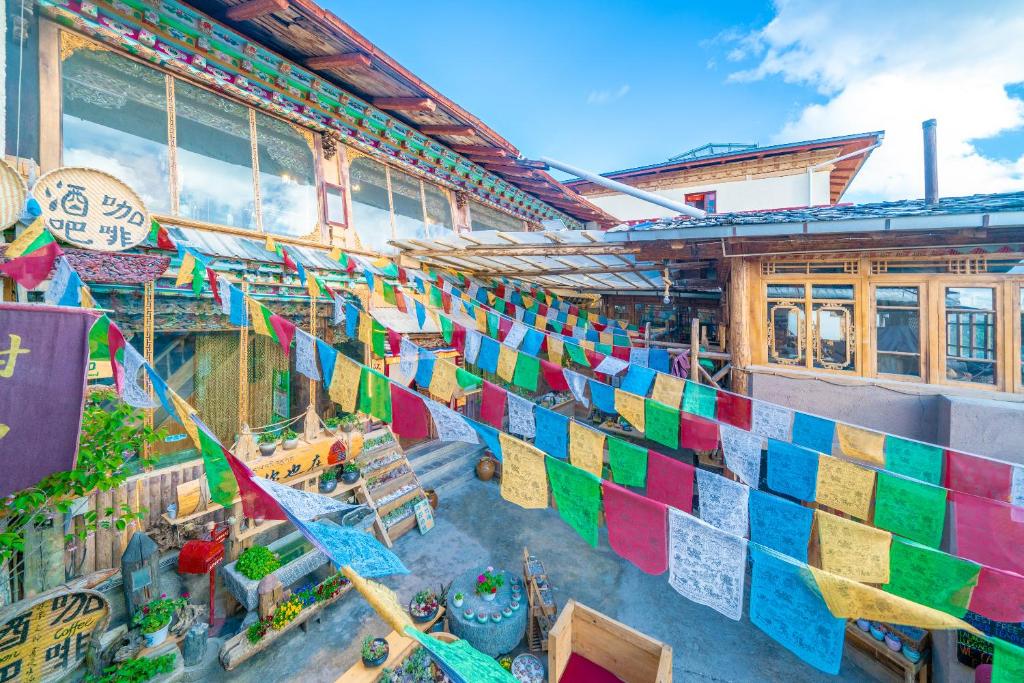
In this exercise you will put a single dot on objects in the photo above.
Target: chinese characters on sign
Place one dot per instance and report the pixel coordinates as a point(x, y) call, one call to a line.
point(91, 209)
point(50, 638)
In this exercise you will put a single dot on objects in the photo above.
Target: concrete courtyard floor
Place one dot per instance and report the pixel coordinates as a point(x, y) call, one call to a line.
point(475, 526)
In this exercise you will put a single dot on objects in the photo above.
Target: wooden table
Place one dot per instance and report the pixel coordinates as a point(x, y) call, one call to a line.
point(901, 667)
point(400, 646)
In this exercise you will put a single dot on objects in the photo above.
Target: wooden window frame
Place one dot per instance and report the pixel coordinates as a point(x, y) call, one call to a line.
point(343, 224)
point(924, 333)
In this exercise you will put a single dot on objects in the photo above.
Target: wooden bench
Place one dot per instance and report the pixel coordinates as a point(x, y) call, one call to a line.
point(400, 646)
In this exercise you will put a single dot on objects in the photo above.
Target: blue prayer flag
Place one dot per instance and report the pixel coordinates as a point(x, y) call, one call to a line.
point(813, 432)
point(592, 335)
point(792, 470)
point(657, 359)
point(779, 524)
point(487, 359)
point(490, 437)
point(530, 318)
point(369, 278)
point(421, 313)
point(420, 286)
point(237, 314)
point(638, 380)
point(160, 389)
point(532, 343)
point(425, 368)
point(552, 432)
point(603, 397)
point(327, 357)
point(346, 546)
point(351, 320)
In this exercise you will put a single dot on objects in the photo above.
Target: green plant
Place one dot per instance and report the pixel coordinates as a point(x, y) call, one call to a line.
point(255, 632)
point(157, 613)
point(267, 437)
point(289, 434)
point(135, 670)
point(286, 612)
point(350, 467)
point(112, 438)
point(327, 476)
point(489, 582)
point(350, 420)
point(256, 562)
point(373, 648)
point(333, 422)
point(329, 587)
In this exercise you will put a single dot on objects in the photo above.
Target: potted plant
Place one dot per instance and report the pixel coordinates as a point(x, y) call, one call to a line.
point(468, 613)
point(458, 599)
point(481, 616)
point(328, 480)
point(332, 424)
point(350, 473)
point(495, 617)
point(290, 439)
point(154, 619)
point(267, 442)
point(488, 583)
point(893, 642)
point(507, 612)
point(256, 562)
point(350, 422)
point(374, 651)
point(424, 606)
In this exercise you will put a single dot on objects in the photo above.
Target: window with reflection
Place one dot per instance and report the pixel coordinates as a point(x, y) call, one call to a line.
point(114, 118)
point(407, 203)
point(438, 211)
point(335, 204)
point(898, 331)
point(971, 334)
point(832, 309)
point(485, 218)
point(215, 180)
point(288, 202)
point(786, 324)
point(371, 206)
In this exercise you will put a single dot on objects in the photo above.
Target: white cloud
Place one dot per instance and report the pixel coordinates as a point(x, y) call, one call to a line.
point(891, 65)
point(606, 96)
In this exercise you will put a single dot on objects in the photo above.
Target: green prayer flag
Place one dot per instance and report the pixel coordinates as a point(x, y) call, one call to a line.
point(389, 295)
point(446, 329)
point(375, 395)
point(699, 399)
point(378, 336)
point(461, 659)
point(492, 324)
point(909, 508)
point(1007, 662)
point(223, 486)
point(662, 423)
point(917, 460)
point(628, 462)
point(577, 354)
point(435, 297)
point(467, 380)
point(98, 347)
point(198, 276)
point(606, 349)
point(390, 270)
point(930, 577)
point(527, 372)
point(578, 497)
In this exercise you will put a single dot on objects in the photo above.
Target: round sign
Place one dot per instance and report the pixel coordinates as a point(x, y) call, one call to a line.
point(91, 209)
point(12, 195)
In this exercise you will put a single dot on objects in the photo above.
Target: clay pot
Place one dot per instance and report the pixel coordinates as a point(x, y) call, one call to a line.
point(485, 469)
point(432, 497)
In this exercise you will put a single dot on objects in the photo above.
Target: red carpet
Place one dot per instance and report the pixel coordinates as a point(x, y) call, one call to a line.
point(582, 670)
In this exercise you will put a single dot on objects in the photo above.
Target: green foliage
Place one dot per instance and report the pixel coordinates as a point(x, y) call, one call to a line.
point(113, 435)
point(350, 467)
point(333, 422)
point(135, 670)
point(328, 476)
point(373, 648)
point(157, 613)
point(256, 562)
point(289, 434)
point(255, 632)
point(417, 668)
point(267, 437)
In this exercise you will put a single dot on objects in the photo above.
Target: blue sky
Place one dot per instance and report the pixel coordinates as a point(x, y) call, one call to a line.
point(607, 86)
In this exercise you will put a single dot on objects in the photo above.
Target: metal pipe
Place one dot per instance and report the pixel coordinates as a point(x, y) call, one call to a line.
point(815, 167)
point(931, 168)
point(684, 209)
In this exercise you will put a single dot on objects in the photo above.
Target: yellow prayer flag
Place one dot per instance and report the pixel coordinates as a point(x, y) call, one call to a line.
point(381, 598)
point(844, 486)
point(631, 407)
point(507, 357)
point(442, 383)
point(668, 389)
point(527, 301)
point(586, 448)
point(856, 551)
point(524, 480)
point(541, 323)
point(259, 321)
point(862, 444)
point(185, 270)
point(185, 413)
point(571, 320)
point(848, 599)
point(344, 388)
point(365, 330)
point(491, 299)
point(382, 263)
point(25, 239)
point(481, 319)
point(87, 300)
point(556, 347)
point(605, 337)
point(587, 344)
point(334, 254)
point(270, 244)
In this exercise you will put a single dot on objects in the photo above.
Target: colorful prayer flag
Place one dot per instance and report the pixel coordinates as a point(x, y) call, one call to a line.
point(577, 495)
point(637, 528)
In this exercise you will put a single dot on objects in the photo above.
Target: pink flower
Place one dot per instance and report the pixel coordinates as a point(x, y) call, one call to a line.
point(480, 579)
point(163, 595)
point(186, 595)
point(490, 569)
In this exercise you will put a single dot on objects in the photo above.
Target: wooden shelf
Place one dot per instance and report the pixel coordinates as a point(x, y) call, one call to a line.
point(398, 502)
point(389, 487)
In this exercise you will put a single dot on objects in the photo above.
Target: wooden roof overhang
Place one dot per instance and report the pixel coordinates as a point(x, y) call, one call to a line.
point(306, 33)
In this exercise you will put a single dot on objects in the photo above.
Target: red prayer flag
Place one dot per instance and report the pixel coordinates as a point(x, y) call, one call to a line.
point(285, 330)
point(510, 308)
point(28, 270)
point(115, 343)
point(637, 528)
point(978, 476)
point(621, 352)
point(492, 405)
point(733, 409)
point(256, 503)
point(394, 341)
point(212, 277)
point(403, 276)
point(289, 264)
point(573, 309)
point(400, 300)
point(542, 310)
point(987, 532)
point(598, 326)
point(999, 595)
point(446, 302)
point(409, 416)
point(670, 481)
point(504, 325)
point(697, 433)
point(459, 337)
point(553, 376)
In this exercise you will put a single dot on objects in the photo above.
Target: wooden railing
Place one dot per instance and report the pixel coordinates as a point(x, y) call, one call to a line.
point(719, 375)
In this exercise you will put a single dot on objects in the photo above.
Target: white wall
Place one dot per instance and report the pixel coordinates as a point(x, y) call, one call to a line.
point(737, 195)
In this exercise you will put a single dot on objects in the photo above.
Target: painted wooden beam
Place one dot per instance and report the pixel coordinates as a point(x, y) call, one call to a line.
point(479, 151)
point(459, 130)
point(404, 103)
point(255, 8)
point(346, 60)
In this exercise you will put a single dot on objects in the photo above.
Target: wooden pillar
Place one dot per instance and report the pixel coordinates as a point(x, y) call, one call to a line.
point(148, 325)
point(695, 350)
point(740, 323)
point(243, 366)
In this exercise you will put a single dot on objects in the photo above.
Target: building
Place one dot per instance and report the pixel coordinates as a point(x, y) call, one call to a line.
point(727, 178)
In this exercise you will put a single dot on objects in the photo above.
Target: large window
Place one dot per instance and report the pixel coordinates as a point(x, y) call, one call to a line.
point(898, 331)
point(390, 205)
point(485, 218)
point(812, 325)
point(138, 124)
point(971, 334)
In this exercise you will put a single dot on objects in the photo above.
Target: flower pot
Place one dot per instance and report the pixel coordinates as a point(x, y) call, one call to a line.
point(328, 486)
point(864, 625)
point(877, 633)
point(350, 477)
point(431, 498)
point(424, 618)
point(379, 660)
point(468, 613)
point(156, 637)
point(172, 511)
point(514, 605)
point(267, 449)
point(489, 597)
point(458, 601)
point(485, 469)
point(495, 617)
point(911, 654)
point(893, 642)
point(290, 444)
point(507, 612)
point(347, 428)
point(482, 617)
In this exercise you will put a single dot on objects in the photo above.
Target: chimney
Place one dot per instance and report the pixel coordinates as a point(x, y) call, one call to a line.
point(931, 169)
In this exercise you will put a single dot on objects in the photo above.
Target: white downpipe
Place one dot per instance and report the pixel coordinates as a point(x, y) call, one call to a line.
point(625, 189)
point(812, 169)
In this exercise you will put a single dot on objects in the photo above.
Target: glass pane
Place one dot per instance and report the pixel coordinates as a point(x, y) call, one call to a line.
point(970, 334)
point(970, 298)
point(786, 291)
point(115, 119)
point(832, 292)
point(439, 211)
point(485, 218)
point(214, 158)
point(833, 347)
point(787, 331)
point(335, 204)
point(287, 178)
point(891, 364)
point(408, 205)
point(371, 213)
point(896, 296)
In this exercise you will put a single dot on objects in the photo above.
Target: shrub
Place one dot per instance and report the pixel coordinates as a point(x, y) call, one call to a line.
point(256, 562)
